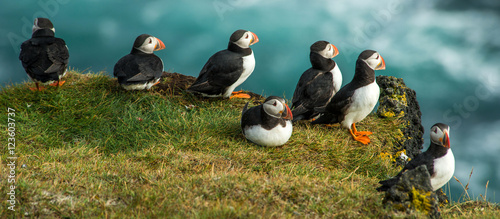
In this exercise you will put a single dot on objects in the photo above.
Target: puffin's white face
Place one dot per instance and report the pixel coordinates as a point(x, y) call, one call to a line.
point(274, 108)
point(151, 44)
point(36, 27)
point(277, 109)
point(440, 137)
point(329, 52)
point(375, 61)
point(247, 40)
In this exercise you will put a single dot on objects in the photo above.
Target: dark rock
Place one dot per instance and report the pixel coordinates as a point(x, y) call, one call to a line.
point(397, 100)
point(174, 83)
point(177, 83)
point(414, 192)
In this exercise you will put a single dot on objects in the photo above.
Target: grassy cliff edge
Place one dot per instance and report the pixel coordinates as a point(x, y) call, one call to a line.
point(91, 149)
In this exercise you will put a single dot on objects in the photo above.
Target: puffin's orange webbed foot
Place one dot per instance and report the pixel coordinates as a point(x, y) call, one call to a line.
point(57, 83)
point(357, 133)
point(239, 94)
point(361, 138)
point(37, 88)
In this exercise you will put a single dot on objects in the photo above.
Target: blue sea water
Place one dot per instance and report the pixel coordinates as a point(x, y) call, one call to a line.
point(447, 51)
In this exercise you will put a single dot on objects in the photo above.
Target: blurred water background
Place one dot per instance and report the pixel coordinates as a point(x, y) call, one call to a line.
point(447, 51)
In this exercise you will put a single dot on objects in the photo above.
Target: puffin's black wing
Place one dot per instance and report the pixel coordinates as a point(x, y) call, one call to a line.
point(29, 56)
point(421, 159)
point(314, 89)
point(58, 54)
point(222, 70)
point(134, 68)
point(251, 116)
point(336, 109)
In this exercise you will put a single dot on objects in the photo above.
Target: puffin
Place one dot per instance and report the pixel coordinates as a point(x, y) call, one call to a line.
point(227, 69)
point(438, 159)
point(141, 69)
point(353, 102)
point(268, 124)
point(44, 57)
point(318, 84)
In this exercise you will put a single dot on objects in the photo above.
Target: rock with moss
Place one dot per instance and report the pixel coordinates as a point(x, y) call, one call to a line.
point(414, 192)
point(399, 101)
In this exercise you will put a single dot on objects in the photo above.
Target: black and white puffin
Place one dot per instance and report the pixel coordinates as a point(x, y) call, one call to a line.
point(44, 57)
point(318, 84)
point(268, 124)
point(227, 69)
point(141, 69)
point(438, 159)
point(353, 102)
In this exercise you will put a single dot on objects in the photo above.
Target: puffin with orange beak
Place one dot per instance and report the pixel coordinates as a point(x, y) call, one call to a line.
point(141, 69)
point(318, 84)
point(269, 124)
point(353, 102)
point(438, 159)
point(227, 69)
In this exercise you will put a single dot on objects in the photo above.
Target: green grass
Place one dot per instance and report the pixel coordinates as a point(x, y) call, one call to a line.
point(92, 149)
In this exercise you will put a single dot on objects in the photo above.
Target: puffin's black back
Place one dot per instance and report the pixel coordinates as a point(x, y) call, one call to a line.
point(222, 70)
point(44, 57)
point(137, 68)
point(313, 90)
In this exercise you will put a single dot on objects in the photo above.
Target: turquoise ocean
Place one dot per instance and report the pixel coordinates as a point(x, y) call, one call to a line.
point(447, 51)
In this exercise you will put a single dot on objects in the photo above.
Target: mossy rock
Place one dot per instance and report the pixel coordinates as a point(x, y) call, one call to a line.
point(414, 192)
point(397, 100)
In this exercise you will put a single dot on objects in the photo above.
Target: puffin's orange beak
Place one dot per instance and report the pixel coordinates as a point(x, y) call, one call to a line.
point(446, 140)
point(255, 39)
point(381, 65)
point(159, 45)
point(288, 114)
point(336, 52)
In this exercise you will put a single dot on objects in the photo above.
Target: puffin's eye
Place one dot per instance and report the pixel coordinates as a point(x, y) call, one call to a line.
point(436, 131)
point(246, 37)
point(274, 104)
point(150, 41)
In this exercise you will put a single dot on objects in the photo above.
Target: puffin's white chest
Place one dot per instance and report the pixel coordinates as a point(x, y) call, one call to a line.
point(337, 78)
point(248, 67)
point(444, 167)
point(277, 136)
point(364, 100)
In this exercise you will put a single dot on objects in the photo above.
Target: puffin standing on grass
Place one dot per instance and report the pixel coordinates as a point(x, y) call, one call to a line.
point(353, 102)
point(141, 69)
point(318, 84)
point(227, 69)
point(44, 57)
point(268, 124)
point(438, 159)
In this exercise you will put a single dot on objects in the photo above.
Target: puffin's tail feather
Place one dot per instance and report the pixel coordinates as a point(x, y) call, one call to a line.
point(326, 118)
point(245, 108)
point(387, 184)
point(298, 112)
point(297, 118)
